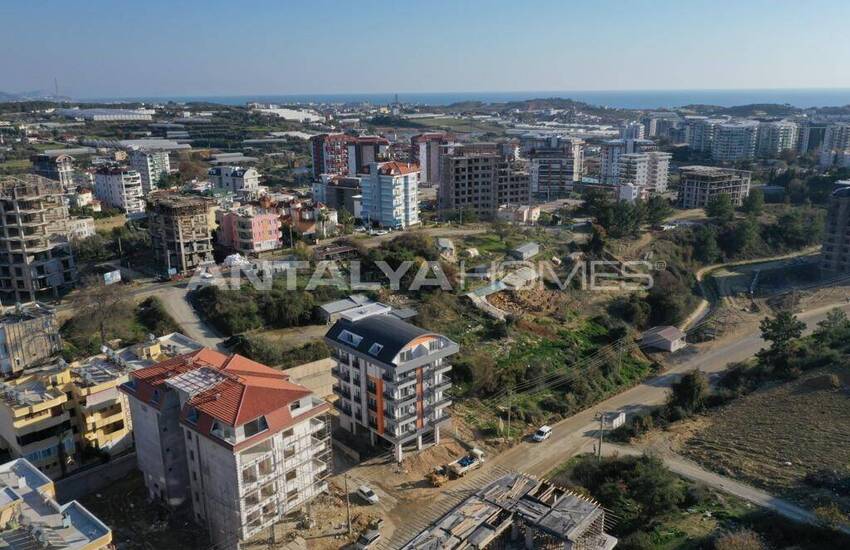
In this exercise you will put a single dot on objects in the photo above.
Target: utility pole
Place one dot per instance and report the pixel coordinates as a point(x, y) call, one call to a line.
point(347, 503)
point(601, 433)
point(510, 394)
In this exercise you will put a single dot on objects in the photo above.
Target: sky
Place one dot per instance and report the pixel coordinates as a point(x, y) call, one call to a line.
point(117, 48)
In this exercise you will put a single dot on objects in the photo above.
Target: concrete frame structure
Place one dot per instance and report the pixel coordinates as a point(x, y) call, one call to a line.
point(179, 230)
point(390, 377)
point(29, 336)
point(835, 256)
point(698, 184)
point(35, 257)
point(238, 439)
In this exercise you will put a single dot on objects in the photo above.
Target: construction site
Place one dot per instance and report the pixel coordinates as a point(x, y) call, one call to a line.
point(519, 511)
point(179, 227)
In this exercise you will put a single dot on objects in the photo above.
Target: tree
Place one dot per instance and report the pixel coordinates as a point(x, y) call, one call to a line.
point(754, 203)
point(720, 207)
point(740, 540)
point(502, 229)
point(706, 249)
point(99, 305)
point(657, 209)
point(689, 392)
point(834, 329)
point(781, 332)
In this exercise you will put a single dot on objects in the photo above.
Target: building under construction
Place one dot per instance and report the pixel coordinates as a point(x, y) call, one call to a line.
point(35, 256)
point(179, 230)
point(519, 511)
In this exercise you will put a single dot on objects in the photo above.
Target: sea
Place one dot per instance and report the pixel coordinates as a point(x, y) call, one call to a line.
point(636, 99)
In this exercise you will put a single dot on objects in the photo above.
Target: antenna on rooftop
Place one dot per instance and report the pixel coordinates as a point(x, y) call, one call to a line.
point(56, 86)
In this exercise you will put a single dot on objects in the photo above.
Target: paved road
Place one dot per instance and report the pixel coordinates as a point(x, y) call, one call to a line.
point(693, 471)
point(176, 302)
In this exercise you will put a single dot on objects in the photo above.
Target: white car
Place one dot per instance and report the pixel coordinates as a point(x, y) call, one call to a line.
point(366, 493)
point(542, 434)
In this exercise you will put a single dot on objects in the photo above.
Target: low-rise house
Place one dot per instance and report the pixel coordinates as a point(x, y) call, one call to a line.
point(80, 228)
point(32, 518)
point(521, 214)
point(525, 251)
point(239, 440)
point(332, 311)
point(390, 375)
point(665, 338)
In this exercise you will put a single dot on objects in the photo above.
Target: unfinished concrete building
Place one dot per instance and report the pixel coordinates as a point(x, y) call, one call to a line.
point(35, 255)
point(699, 184)
point(835, 256)
point(29, 336)
point(179, 230)
point(519, 511)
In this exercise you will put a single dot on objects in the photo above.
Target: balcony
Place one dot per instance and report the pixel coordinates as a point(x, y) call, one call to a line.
point(340, 391)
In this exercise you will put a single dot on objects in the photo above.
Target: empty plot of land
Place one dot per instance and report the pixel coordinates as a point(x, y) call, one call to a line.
point(775, 437)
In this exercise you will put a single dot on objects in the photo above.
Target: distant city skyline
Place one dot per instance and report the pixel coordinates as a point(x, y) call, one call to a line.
point(123, 49)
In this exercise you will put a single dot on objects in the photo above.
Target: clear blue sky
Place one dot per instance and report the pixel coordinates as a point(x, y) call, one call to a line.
point(99, 48)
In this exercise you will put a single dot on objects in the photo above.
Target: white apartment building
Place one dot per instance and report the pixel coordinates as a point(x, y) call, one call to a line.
point(390, 377)
point(151, 166)
point(835, 149)
point(239, 440)
point(699, 132)
point(235, 178)
point(774, 137)
point(647, 171)
point(120, 187)
point(391, 194)
point(735, 141)
point(611, 150)
point(632, 130)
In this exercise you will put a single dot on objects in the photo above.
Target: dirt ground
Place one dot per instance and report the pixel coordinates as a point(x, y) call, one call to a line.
point(774, 437)
point(139, 525)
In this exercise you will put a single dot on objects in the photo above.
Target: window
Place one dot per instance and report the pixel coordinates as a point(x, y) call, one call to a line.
point(192, 415)
point(350, 338)
point(256, 426)
point(295, 405)
point(375, 349)
point(291, 475)
point(191, 455)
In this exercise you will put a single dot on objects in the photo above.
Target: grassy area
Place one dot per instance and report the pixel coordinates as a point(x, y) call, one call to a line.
point(15, 166)
point(782, 437)
point(461, 125)
point(106, 224)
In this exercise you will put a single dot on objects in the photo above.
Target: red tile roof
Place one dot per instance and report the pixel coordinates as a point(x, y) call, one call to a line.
point(395, 168)
point(247, 391)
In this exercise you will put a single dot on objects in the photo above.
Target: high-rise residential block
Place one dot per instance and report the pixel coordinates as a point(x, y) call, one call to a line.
point(478, 178)
point(835, 256)
point(632, 130)
point(390, 377)
point(237, 439)
point(426, 150)
point(180, 232)
point(555, 168)
point(55, 167)
point(391, 194)
point(120, 187)
point(330, 154)
point(777, 136)
point(35, 255)
point(338, 192)
point(29, 336)
point(835, 148)
point(735, 141)
point(610, 152)
point(363, 151)
point(698, 184)
point(152, 166)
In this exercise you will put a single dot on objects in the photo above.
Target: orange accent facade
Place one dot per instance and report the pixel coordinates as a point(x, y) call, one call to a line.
point(420, 402)
point(379, 400)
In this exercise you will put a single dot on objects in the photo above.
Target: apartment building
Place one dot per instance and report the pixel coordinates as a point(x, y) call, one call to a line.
point(478, 178)
point(835, 256)
point(29, 336)
point(235, 178)
point(152, 166)
point(610, 152)
point(735, 141)
point(390, 193)
point(330, 154)
point(35, 256)
point(698, 184)
point(632, 130)
point(120, 187)
point(426, 150)
point(31, 517)
point(237, 439)
point(659, 124)
point(555, 168)
point(390, 377)
point(835, 148)
point(249, 230)
point(35, 420)
point(363, 151)
point(57, 167)
point(337, 192)
point(776, 136)
point(699, 132)
point(649, 171)
point(180, 232)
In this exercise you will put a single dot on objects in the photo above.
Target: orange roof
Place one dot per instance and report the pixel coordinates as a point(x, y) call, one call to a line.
point(246, 391)
point(395, 168)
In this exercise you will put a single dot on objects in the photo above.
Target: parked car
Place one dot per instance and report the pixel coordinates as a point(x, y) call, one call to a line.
point(368, 539)
point(366, 493)
point(542, 434)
